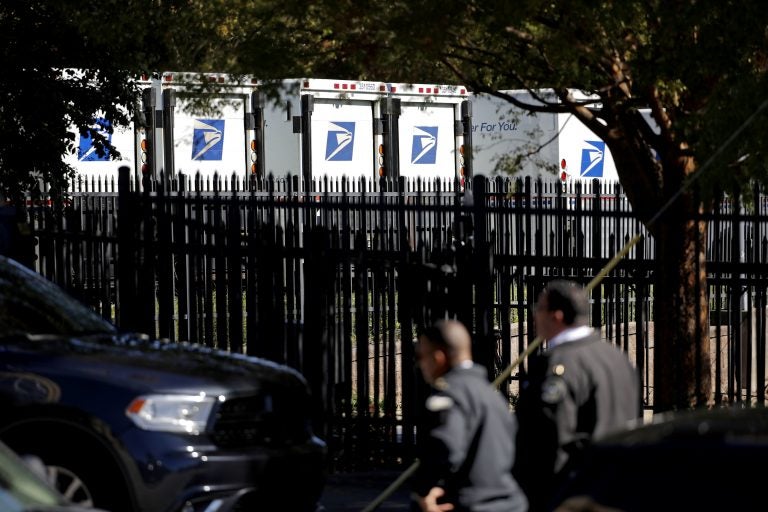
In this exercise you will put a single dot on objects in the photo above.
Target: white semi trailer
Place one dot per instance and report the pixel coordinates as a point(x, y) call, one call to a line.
point(507, 139)
point(322, 129)
point(207, 125)
point(98, 170)
point(325, 129)
point(317, 129)
point(201, 125)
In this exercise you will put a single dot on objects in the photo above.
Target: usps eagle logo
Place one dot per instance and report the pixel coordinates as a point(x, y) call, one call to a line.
point(424, 148)
point(340, 141)
point(86, 151)
point(592, 159)
point(208, 139)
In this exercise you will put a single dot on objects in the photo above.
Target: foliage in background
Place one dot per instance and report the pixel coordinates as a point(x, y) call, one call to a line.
point(110, 43)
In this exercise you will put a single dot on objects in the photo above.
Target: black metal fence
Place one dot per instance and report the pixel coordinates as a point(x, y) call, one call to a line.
point(335, 278)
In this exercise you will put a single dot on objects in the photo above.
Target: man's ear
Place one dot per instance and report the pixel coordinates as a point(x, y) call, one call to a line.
point(441, 358)
point(559, 316)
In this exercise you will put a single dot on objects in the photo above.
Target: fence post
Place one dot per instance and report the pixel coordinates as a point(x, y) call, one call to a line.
point(597, 255)
point(482, 270)
point(318, 286)
point(179, 214)
point(125, 254)
point(234, 274)
point(146, 251)
point(165, 269)
point(407, 334)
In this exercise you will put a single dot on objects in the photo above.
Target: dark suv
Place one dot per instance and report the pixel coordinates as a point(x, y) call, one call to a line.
point(126, 423)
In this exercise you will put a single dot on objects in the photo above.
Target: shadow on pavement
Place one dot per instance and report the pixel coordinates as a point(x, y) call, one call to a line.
point(348, 492)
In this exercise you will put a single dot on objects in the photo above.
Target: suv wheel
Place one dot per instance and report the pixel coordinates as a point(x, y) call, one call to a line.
point(75, 463)
point(69, 485)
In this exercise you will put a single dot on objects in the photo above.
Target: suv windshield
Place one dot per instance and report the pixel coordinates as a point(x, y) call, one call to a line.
point(30, 304)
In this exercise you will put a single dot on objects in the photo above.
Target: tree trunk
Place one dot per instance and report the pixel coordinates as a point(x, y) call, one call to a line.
point(682, 373)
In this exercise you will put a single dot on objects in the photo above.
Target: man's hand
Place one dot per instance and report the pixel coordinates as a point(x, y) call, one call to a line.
point(429, 502)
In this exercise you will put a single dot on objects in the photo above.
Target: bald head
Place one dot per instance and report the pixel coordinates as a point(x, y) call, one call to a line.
point(451, 337)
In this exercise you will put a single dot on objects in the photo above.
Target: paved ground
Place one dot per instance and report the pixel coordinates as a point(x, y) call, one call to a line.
point(354, 491)
point(348, 492)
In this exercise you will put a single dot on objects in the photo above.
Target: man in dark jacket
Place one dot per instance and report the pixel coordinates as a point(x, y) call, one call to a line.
point(468, 446)
point(579, 389)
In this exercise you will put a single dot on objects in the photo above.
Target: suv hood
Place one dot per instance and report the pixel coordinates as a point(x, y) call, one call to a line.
point(133, 358)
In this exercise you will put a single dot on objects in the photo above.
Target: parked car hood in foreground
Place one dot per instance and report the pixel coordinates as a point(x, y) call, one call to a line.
point(689, 460)
point(36, 316)
point(133, 358)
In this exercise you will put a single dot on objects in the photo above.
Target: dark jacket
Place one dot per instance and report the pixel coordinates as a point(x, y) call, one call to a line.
point(575, 393)
point(468, 446)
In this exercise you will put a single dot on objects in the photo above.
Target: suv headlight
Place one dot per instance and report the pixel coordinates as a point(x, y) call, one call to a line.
point(171, 413)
